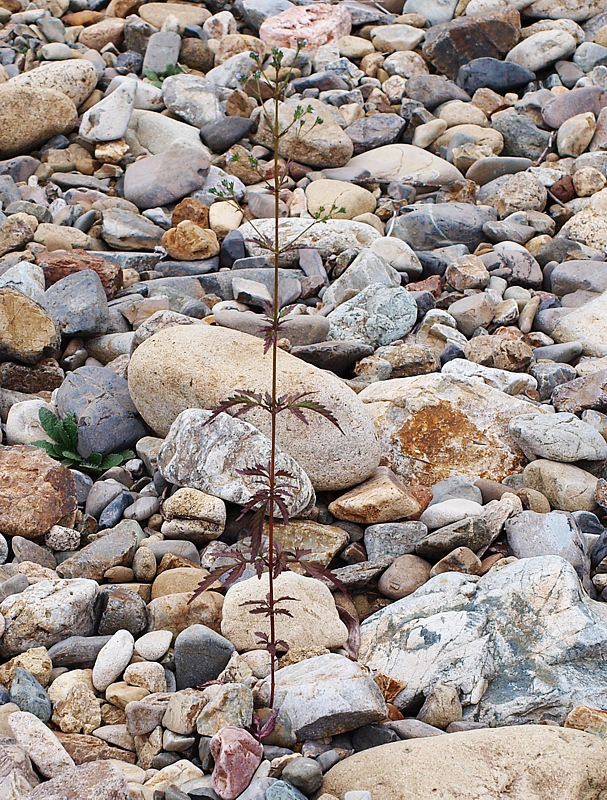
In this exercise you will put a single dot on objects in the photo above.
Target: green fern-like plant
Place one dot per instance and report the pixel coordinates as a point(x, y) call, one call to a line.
point(64, 447)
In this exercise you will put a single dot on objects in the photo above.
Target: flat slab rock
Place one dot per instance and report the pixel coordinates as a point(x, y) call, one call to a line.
point(523, 643)
point(534, 762)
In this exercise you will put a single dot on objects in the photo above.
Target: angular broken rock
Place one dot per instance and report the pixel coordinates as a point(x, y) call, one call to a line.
point(519, 643)
point(27, 332)
point(326, 695)
point(212, 456)
point(35, 491)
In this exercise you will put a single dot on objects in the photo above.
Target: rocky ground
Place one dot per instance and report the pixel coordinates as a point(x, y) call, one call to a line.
point(452, 315)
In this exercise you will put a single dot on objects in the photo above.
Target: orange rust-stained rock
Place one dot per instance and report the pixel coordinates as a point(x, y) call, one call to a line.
point(434, 426)
point(60, 263)
point(35, 491)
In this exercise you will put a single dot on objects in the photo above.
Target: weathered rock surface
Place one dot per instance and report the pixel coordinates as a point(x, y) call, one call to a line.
point(432, 426)
point(482, 636)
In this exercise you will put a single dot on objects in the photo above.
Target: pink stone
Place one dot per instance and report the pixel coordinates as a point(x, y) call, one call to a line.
point(237, 755)
point(318, 24)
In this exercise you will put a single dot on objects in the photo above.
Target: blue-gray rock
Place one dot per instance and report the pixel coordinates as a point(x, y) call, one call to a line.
point(570, 276)
point(106, 416)
point(4, 695)
point(501, 76)
point(377, 130)
point(164, 178)
point(221, 134)
point(457, 487)
point(281, 790)
point(522, 138)
point(255, 12)
point(200, 656)
point(305, 774)
point(549, 376)
point(434, 90)
point(113, 512)
point(426, 227)
point(3, 549)
point(78, 304)
point(27, 693)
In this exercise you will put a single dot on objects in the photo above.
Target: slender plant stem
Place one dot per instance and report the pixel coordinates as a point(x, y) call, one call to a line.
point(275, 328)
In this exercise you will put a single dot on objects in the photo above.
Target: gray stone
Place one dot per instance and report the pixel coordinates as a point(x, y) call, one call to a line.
point(106, 417)
point(326, 695)
point(115, 548)
point(162, 52)
point(164, 178)
point(108, 120)
point(78, 304)
point(522, 138)
point(531, 534)
point(192, 98)
point(393, 539)
point(125, 230)
point(427, 227)
point(367, 268)
point(519, 643)
point(200, 655)
point(377, 315)
point(549, 376)
point(558, 437)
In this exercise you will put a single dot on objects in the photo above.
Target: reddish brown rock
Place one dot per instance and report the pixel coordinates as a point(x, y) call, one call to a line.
point(582, 393)
point(35, 491)
point(43, 377)
point(450, 45)
point(60, 263)
point(317, 25)
point(191, 209)
point(237, 755)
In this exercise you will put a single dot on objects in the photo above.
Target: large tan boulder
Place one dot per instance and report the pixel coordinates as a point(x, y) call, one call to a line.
point(200, 366)
point(434, 426)
point(522, 762)
point(75, 78)
point(30, 115)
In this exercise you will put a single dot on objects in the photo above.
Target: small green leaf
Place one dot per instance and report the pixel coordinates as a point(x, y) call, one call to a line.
point(95, 459)
point(111, 460)
point(70, 426)
point(71, 455)
point(53, 426)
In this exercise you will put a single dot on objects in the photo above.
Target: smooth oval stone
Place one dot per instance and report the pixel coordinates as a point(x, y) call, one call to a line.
point(199, 366)
point(563, 353)
point(486, 170)
point(77, 651)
